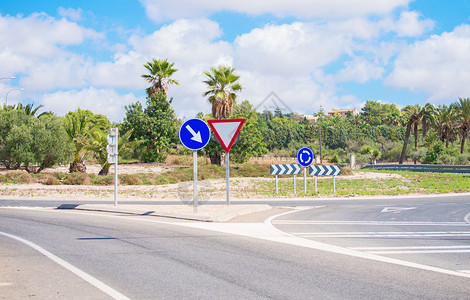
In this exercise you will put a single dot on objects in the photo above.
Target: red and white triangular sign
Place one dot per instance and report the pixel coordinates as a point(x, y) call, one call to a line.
point(226, 131)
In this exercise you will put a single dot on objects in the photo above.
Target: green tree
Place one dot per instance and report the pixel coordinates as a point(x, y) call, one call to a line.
point(412, 122)
point(78, 128)
point(160, 71)
point(250, 142)
point(9, 119)
point(34, 143)
point(428, 113)
point(156, 126)
point(222, 88)
point(445, 123)
point(463, 119)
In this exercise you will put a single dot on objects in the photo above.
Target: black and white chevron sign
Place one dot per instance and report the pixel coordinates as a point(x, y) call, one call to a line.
point(324, 170)
point(285, 169)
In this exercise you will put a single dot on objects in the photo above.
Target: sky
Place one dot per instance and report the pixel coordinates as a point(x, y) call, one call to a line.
point(298, 55)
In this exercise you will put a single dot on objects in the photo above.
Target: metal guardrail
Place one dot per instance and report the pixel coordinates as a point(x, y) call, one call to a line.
point(421, 168)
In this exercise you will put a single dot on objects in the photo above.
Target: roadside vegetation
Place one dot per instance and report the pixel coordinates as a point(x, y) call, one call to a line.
point(263, 184)
point(380, 132)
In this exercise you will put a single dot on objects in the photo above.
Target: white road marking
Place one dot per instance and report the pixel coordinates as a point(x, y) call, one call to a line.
point(268, 232)
point(5, 284)
point(420, 251)
point(396, 209)
point(467, 218)
point(90, 279)
point(409, 248)
point(399, 234)
point(369, 223)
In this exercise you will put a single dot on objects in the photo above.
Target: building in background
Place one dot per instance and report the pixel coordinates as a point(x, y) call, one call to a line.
point(343, 112)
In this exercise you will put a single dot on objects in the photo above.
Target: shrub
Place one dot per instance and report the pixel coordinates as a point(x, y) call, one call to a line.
point(433, 153)
point(129, 179)
point(52, 181)
point(335, 159)
point(77, 179)
point(18, 177)
point(102, 180)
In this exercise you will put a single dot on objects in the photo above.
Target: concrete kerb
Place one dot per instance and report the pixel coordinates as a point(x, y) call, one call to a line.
point(207, 213)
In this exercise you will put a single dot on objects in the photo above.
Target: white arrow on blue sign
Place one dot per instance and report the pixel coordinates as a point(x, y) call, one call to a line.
point(194, 134)
point(305, 157)
point(288, 169)
point(324, 170)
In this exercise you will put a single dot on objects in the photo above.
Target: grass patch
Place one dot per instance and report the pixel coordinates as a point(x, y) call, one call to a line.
point(410, 183)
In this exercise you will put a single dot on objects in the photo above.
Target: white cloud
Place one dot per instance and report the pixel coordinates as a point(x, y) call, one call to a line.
point(70, 13)
point(188, 42)
point(99, 101)
point(359, 70)
point(291, 49)
point(36, 46)
point(160, 10)
point(410, 25)
point(439, 66)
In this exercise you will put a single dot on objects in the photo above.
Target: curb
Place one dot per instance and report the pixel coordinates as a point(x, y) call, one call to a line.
point(222, 213)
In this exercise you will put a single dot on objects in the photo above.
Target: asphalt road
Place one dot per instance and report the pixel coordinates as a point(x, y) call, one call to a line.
point(434, 233)
point(143, 257)
point(352, 201)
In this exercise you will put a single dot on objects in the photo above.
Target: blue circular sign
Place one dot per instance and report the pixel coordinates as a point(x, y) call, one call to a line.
point(194, 134)
point(305, 156)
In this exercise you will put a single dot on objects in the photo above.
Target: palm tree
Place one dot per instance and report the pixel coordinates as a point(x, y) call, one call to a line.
point(222, 88)
point(75, 125)
point(463, 119)
point(445, 123)
point(412, 121)
point(428, 116)
point(99, 143)
point(160, 72)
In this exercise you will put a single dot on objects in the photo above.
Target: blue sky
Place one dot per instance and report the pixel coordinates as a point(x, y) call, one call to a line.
point(310, 53)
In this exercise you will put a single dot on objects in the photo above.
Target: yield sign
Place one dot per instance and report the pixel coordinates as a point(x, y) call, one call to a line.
point(226, 131)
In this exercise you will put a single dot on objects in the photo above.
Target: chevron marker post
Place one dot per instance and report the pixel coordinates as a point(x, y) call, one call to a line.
point(325, 171)
point(285, 169)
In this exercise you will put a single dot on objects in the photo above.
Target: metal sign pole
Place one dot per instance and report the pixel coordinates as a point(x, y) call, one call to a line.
point(195, 200)
point(316, 189)
point(334, 184)
point(116, 169)
point(276, 185)
point(227, 177)
point(295, 192)
point(305, 180)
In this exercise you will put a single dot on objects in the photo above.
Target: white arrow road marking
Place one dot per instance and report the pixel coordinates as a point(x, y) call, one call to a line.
point(196, 136)
point(268, 232)
point(396, 209)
